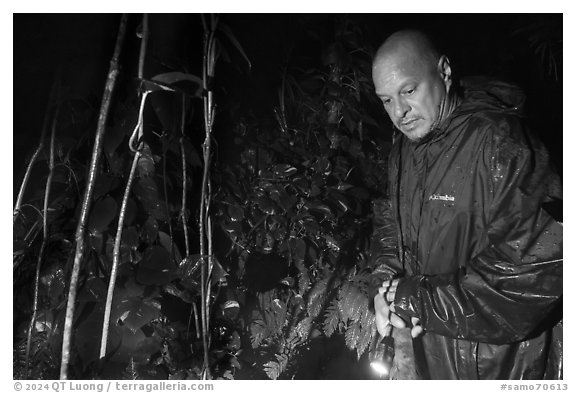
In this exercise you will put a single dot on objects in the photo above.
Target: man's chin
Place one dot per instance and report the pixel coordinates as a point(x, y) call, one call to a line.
point(417, 134)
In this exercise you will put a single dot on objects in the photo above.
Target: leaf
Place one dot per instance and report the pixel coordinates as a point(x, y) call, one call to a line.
point(170, 245)
point(136, 312)
point(130, 237)
point(149, 231)
point(298, 247)
point(147, 193)
point(188, 267)
point(352, 335)
point(303, 328)
point(317, 297)
point(146, 165)
point(226, 30)
point(155, 267)
point(218, 274)
point(131, 372)
point(284, 170)
point(352, 302)
point(170, 78)
point(102, 214)
point(273, 369)
point(235, 212)
point(331, 318)
point(266, 205)
point(368, 330)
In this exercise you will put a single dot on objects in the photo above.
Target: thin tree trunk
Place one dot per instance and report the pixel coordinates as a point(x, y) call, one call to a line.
point(183, 214)
point(208, 61)
point(44, 239)
point(80, 230)
point(36, 153)
point(118, 241)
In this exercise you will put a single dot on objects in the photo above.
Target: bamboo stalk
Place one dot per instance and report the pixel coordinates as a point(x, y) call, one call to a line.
point(139, 131)
point(87, 198)
point(44, 239)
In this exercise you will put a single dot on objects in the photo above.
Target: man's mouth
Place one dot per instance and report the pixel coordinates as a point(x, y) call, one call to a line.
point(408, 123)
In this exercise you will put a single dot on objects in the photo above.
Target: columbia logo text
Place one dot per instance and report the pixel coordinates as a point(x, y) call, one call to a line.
point(436, 197)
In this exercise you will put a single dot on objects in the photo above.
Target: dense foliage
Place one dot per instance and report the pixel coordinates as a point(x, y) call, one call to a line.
point(291, 218)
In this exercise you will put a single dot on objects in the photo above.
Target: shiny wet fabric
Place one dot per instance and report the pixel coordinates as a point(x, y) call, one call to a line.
point(479, 256)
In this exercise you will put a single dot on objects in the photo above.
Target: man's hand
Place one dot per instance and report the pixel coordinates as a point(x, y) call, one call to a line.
point(384, 308)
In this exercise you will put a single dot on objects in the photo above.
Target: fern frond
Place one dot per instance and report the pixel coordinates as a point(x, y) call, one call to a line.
point(352, 302)
point(352, 335)
point(273, 369)
point(366, 333)
point(317, 297)
point(303, 328)
point(131, 371)
point(332, 318)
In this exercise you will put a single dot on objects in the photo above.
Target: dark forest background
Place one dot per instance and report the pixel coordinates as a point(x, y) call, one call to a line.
point(297, 176)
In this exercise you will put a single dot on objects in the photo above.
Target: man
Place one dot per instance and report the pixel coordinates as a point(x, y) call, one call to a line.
point(478, 272)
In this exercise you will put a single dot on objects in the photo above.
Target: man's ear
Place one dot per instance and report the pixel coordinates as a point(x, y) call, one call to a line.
point(445, 70)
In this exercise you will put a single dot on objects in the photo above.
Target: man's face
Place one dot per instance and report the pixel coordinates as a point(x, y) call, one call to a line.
point(411, 91)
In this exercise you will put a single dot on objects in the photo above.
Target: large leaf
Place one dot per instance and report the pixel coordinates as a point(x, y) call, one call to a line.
point(147, 193)
point(102, 214)
point(170, 78)
point(155, 268)
point(136, 312)
point(146, 161)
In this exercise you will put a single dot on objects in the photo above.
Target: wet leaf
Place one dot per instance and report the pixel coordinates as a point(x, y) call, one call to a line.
point(146, 165)
point(266, 205)
point(170, 78)
point(284, 170)
point(155, 267)
point(235, 212)
point(136, 312)
point(218, 274)
point(149, 231)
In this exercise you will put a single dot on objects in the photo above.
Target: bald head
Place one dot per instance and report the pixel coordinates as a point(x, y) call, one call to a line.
point(413, 81)
point(410, 46)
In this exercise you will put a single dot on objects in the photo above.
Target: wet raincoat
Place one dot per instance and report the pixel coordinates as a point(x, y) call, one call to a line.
point(479, 255)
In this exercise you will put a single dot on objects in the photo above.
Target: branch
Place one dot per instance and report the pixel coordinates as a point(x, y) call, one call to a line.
point(122, 215)
point(44, 240)
point(87, 198)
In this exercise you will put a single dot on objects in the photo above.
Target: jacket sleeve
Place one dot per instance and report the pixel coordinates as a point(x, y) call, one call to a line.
point(383, 248)
point(506, 292)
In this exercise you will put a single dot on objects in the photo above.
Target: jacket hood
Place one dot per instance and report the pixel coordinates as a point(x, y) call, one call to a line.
point(484, 94)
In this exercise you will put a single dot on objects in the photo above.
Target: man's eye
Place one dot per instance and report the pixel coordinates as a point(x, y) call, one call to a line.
point(386, 101)
point(409, 91)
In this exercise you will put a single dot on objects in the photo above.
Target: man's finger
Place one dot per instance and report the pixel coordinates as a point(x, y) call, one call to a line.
point(416, 331)
point(396, 321)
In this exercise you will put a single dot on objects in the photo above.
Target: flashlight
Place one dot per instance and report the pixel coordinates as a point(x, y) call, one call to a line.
point(381, 353)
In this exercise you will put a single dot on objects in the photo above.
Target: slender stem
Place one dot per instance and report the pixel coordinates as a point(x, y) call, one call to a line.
point(44, 239)
point(87, 198)
point(35, 155)
point(209, 57)
point(118, 241)
point(184, 181)
point(116, 257)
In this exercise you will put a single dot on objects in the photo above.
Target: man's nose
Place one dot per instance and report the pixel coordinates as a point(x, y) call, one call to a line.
point(401, 108)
